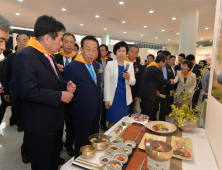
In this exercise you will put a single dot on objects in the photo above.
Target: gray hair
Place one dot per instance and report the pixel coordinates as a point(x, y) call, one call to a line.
point(4, 24)
point(134, 46)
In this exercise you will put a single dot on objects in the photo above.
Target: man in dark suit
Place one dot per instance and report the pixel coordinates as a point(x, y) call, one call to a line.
point(65, 56)
point(163, 91)
point(181, 58)
point(152, 76)
point(76, 49)
point(137, 88)
point(103, 60)
point(196, 70)
point(86, 106)
point(43, 93)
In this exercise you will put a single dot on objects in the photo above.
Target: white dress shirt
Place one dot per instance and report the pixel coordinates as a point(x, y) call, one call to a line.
point(64, 60)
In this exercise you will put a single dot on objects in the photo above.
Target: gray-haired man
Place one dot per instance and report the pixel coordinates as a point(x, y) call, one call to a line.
point(4, 32)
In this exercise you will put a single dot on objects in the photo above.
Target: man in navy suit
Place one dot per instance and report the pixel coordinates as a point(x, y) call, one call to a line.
point(152, 77)
point(86, 106)
point(43, 93)
point(196, 70)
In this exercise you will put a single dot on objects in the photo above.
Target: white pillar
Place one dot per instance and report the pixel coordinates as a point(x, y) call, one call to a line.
point(188, 31)
point(103, 39)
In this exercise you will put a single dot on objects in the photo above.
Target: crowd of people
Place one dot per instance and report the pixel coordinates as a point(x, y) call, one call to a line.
point(50, 80)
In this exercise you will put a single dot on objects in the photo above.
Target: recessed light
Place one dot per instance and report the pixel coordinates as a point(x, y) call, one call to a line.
point(174, 18)
point(20, 0)
point(141, 35)
point(124, 32)
point(145, 26)
point(123, 22)
point(163, 30)
point(156, 37)
point(121, 2)
point(201, 38)
point(211, 40)
point(105, 28)
point(97, 16)
point(168, 39)
point(151, 12)
point(206, 28)
point(81, 24)
point(63, 9)
point(178, 33)
point(17, 14)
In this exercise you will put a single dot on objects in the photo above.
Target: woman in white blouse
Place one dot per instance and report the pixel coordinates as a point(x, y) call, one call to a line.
point(187, 83)
point(117, 81)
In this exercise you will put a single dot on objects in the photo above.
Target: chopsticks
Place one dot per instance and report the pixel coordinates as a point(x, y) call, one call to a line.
point(141, 165)
point(137, 140)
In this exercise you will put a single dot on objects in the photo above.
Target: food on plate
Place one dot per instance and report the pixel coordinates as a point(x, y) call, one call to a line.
point(160, 127)
point(104, 160)
point(98, 140)
point(147, 140)
point(117, 141)
point(113, 148)
point(120, 128)
point(140, 118)
point(181, 149)
point(114, 164)
point(159, 148)
point(124, 151)
point(120, 158)
point(129, 145)
point(109, 152)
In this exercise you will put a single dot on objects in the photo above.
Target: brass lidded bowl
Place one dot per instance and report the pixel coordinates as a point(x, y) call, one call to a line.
point(87, 151)
point(159, 156)
point(99, 141)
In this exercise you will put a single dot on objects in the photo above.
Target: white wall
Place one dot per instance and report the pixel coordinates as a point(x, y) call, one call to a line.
point(174, 49)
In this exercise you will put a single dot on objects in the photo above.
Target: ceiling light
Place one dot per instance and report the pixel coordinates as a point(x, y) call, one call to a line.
point(63, 9)
point(206, 28)
point(156, 37)
point(124, 32)
point(201, 38)
point(141, 35)
point(168, 39)
point(163, 30)
point(97, 16)
point(174, 18)
point(178, 33)
point(145, 26)
point(211, 40)
point(20, 0)
point(121, 2)
point(21, 28)
point(151, 12)
point(81, 24)
point(105, 28)
point(17, 14)
point(123, 22)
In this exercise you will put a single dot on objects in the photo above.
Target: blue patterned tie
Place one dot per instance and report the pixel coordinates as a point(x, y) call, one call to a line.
point(67, 61)
point(92, 73)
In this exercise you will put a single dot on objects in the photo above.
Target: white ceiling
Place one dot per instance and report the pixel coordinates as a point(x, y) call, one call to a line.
point(134, 12)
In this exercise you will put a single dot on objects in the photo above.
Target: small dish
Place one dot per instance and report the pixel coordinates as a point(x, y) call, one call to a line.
point(116, 141)
point(104, 159)
point(120, 158)
point(130, 144)
point(113, 147)
point(109, 152)
point(125, 150)
point(114, 164)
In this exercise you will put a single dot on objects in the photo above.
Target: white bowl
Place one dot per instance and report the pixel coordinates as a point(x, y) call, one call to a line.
point(120, 154)
point(125, 148)
point(114, 148)
point(130, 143)
point(109, 154)
point(104, 156)
point(112, 140)
point(114, 160)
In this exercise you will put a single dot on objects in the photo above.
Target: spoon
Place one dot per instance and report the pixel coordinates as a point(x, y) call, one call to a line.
point(99, 166)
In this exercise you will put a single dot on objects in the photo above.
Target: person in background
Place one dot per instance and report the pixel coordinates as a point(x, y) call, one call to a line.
point(187, 83)
point(117, 81)
point(202, 63)
point(100, 71)
point(138, 59)
point(145, 63)
point(150, 58)
point(181, 58)
point(159, 52)
point(196, 70)
point(136, 89)
point(76, 49)
point(86, 106)
point(43, 93)
point(205, 79)
point(109, 55)
point(4, 32)
point(152, 77)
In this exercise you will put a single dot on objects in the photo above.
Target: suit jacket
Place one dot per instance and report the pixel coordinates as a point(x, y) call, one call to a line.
point(137, 88)
point(40, 89)
point(178, 67)
point(152, 77)
point(59, 59)
point(111, 81)
point(196, 70)
point(1, 73)
point(87, 100)
point(10, 86)
point(100, 61)
point(3, 62)
point(190, 79)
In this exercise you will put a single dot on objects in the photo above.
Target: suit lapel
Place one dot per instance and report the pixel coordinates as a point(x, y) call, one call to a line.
point(97, 75)
point(58, 72)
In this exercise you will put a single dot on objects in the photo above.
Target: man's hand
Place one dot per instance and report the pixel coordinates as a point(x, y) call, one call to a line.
point(71, 87)
point(2, 90)
point(137, 98)
point(107, 105)
point(171, 93)
point(66, 96)
point(157, 93)
point(172, 81)
point(126, 75)
point(206, 91)
point(6, 97)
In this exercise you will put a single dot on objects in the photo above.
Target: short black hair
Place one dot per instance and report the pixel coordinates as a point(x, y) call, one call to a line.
point(109, 52)
point(167, 53)
point(160, 51)
point(22, 34)
point(47, 25)
point(7, 52)
point(182, 55)
point(76, 45)
point(134, 47)
point(89, 37)
point(189, 64)
point(151, 55)
point(172, 56)
point(204, 61)
point(138, 59)
point(145, 60)
point(160, 57)
point(99, 56)
point(103, 45)
point(190, 57)
point(16, 47)
point(68, 34)
point(118, 45)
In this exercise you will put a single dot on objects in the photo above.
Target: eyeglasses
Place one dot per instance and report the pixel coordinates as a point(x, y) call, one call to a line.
point(93, 51)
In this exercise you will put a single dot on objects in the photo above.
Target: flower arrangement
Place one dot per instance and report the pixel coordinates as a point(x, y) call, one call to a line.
point(100, 71)
point(60, 67)
point(136, 70)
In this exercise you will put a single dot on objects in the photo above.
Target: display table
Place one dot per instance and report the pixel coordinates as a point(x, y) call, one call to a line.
point(203, 156)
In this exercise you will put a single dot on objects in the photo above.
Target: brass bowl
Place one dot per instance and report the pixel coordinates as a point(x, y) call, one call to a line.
point(159, 156)
point(99, 146)
point(87, 151)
